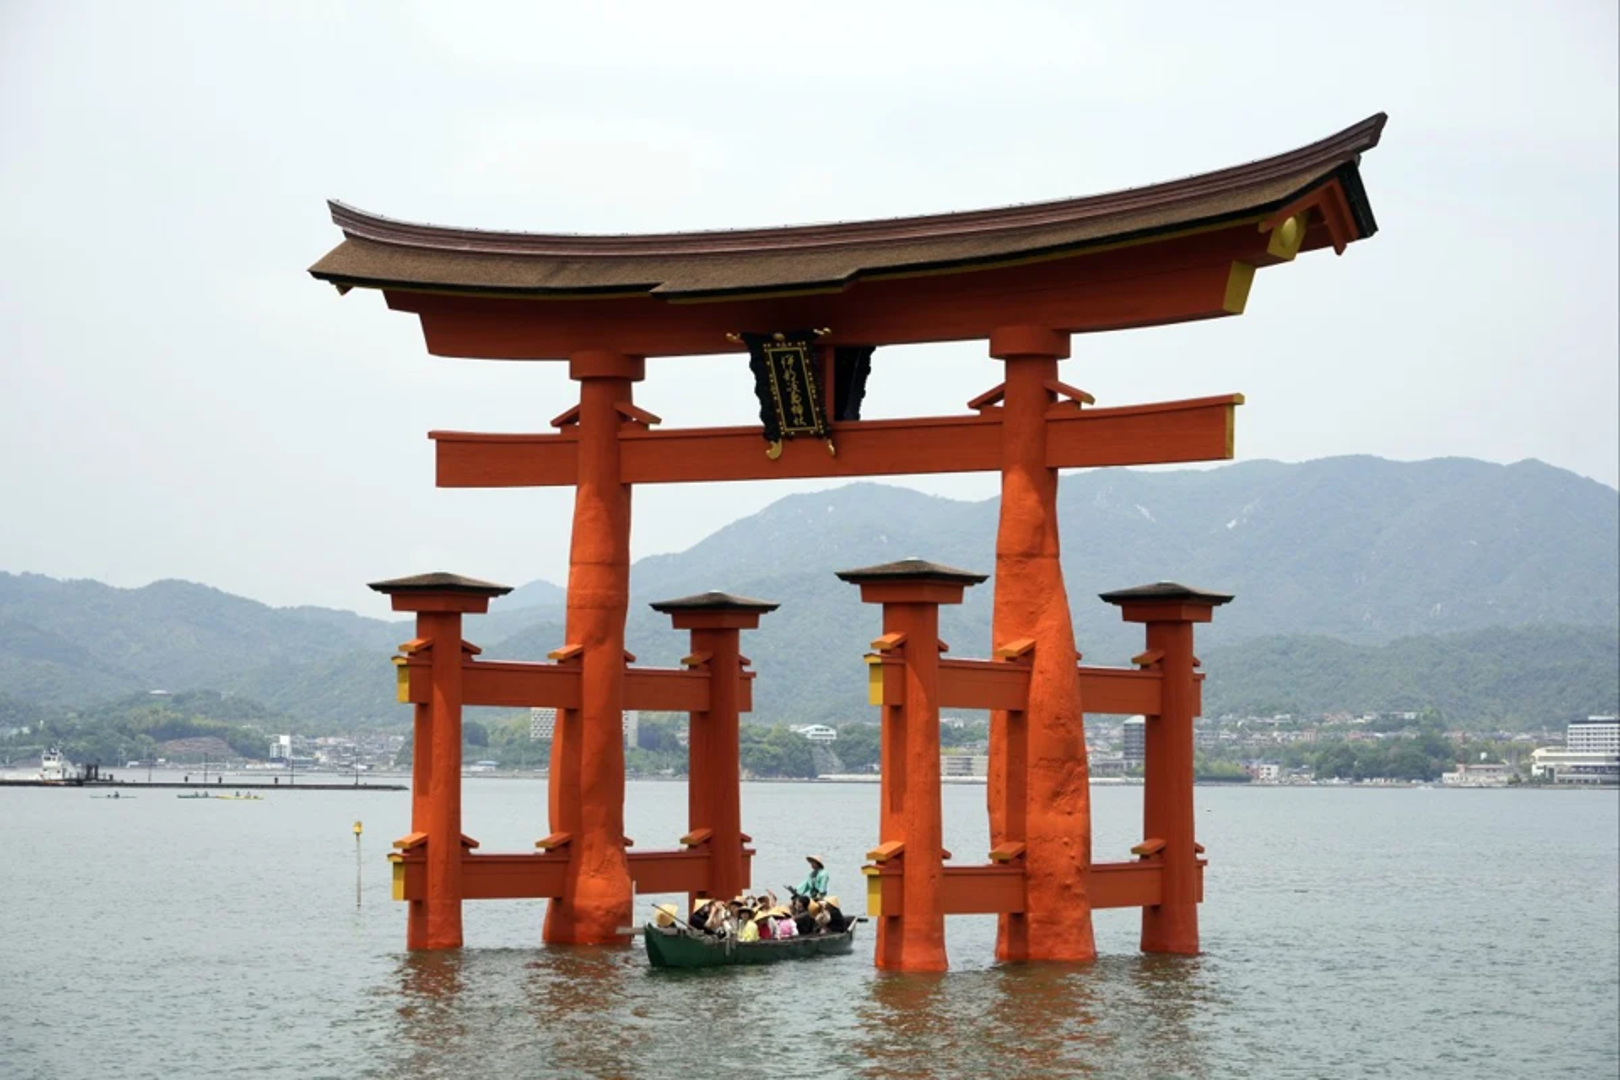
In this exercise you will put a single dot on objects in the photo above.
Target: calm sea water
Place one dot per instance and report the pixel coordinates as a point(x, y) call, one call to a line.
point(1407, 932)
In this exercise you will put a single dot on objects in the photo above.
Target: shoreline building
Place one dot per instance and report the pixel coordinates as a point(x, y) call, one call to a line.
point(816, 733)
point(1135, 736)
point(1478, 774)
point(964, 765)
point(1590, 754)
point(543, 725)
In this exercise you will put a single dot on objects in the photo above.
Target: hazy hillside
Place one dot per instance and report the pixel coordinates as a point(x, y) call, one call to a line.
point(1352, 553)
point(1526, 677)
point(1356, 548)
point(82, 641)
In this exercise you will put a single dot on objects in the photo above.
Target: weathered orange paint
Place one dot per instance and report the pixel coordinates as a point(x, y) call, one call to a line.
point(715, 768)
point(1167, 797)
point(596, 902)
point(911, 937)
point(1157, 433)
point(519, 683)
point(443, 629)
point(1169, 280)
point(998, 684)
point(416, 929)
point(1038, 789)
point(544, 875)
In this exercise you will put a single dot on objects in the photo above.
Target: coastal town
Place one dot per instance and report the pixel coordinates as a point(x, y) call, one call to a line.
point(1369, 748)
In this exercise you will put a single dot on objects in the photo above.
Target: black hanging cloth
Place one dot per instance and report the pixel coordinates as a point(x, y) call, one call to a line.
point(851, 365)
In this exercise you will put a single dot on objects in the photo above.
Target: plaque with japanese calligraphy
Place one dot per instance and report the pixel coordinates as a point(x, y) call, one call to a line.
point(787, 385)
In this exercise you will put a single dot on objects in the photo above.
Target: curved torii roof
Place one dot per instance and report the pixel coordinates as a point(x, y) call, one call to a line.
point(379, 252)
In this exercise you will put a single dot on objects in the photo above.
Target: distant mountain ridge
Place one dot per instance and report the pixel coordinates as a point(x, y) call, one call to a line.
point(1359, 550)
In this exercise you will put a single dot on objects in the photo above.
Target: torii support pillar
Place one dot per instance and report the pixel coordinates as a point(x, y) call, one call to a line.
point(911, 829)
point(439, 601)
point(714, 774)
point(587, 748)
point(1169, 610)
point(1038, 792)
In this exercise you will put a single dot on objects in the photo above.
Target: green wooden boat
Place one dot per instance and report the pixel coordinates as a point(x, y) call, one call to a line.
point(672, 947)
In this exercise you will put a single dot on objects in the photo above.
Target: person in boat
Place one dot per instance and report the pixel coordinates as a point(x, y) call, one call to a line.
point(816, 882)
point(664, 916)
point(782, 925)
point(712, 918)
point(804, 916)
point(836, 922)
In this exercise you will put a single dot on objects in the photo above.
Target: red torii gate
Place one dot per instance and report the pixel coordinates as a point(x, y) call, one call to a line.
point(1024, 278)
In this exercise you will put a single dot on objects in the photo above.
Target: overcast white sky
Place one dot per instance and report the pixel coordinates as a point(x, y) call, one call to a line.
point(179, 399)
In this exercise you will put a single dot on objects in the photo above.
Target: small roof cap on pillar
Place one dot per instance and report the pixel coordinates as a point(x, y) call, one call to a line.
point(1168, 591)
point(713, 600)
point(439, 581)
point(911, 569)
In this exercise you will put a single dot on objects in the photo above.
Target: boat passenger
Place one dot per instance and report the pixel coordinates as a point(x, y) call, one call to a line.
point(816, 882)
point(664, 915)
point(837, 922)
point(804, 917)
point(782, 925)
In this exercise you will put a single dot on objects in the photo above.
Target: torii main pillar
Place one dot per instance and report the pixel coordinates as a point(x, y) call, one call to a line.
point(587, 749)
point(1038, 789)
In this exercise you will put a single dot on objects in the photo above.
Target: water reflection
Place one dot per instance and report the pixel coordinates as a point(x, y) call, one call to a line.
point(575, 998)
point(430, 988)
point(1034, 1020)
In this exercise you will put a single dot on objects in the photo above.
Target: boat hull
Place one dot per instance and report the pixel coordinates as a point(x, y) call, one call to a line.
point(673, 948)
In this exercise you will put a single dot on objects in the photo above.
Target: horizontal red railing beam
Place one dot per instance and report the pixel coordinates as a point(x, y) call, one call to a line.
point(516, 684)
point(520, 684)
point(974, 684)
point(1159, 433)
point(542, 875)
point(996, 888)
point(997, 684)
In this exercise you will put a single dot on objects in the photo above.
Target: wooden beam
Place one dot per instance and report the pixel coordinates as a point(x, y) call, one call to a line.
point(515, 684)
point(679, 871)
point(971, 890)
point(666, 689)
point(997, 684)
point(523, 684)
point(1121, 691)
point(466, 459)
point(542, 875)
point(983, 684)
point(1160, 433)
point(1124, 884)
point(1169, 280)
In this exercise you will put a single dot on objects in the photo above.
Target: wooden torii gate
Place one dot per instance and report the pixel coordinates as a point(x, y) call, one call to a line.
point(1023, 278)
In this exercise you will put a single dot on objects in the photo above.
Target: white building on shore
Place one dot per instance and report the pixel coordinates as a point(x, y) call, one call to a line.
point(1590, 754)
point(543, 725)
point(819, 733)
point(1478, 774)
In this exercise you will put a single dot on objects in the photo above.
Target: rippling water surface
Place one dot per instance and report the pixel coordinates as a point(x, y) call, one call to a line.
point(1347, 932)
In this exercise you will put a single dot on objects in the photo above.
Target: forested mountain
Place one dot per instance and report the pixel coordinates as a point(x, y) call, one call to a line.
point(1331, 561)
